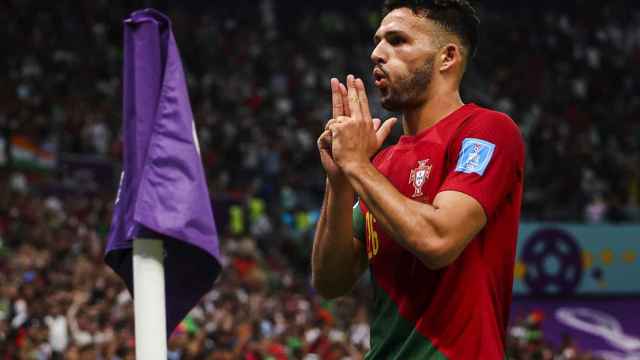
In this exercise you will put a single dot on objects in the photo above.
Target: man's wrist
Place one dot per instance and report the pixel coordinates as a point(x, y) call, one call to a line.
point(339, 183)
point(355, 168)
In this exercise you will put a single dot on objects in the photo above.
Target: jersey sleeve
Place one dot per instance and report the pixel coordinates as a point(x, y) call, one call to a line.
point(358, 222)
point(486, 160)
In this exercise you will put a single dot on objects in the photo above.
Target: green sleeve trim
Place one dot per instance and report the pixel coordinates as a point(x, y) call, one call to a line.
point(358, 222)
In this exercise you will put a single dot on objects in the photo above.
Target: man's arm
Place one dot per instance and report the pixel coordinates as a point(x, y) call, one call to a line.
point(338, 258)
point(436, 234)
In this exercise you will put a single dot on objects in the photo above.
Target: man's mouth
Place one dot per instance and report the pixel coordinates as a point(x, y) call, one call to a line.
point(379, 77)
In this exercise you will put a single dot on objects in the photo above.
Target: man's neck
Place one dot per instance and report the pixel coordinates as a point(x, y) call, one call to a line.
point(428, 114)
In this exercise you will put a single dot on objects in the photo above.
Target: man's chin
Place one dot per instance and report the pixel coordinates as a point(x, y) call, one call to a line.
point(390, 105)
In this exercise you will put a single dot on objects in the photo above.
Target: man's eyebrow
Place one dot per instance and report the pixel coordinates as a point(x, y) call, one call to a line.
point(376, 37)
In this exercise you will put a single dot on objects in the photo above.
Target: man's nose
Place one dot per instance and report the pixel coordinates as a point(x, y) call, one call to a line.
point(378, 55)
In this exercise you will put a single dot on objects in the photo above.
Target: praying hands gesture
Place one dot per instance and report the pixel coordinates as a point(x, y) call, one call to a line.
point(349, 140)
point(351, 137)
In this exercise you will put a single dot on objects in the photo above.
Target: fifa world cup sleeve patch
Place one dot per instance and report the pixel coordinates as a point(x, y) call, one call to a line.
point(357, 222)
point(475, 155)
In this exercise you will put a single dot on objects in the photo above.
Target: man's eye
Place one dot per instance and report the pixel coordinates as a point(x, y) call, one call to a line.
point(395, 40)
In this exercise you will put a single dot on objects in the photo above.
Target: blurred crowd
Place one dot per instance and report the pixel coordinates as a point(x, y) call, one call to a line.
point(258, 76)
point(58, 300)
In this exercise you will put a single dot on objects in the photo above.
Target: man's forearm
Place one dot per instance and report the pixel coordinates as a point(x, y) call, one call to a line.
point(406, 220)
point(334, 258)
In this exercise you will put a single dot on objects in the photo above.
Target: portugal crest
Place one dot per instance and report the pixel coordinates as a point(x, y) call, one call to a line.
point(419, 176)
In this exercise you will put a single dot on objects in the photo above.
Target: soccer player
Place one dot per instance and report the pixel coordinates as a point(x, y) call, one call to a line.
point(437, 217)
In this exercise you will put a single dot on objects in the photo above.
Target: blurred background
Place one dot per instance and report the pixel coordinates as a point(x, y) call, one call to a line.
point(258, 74)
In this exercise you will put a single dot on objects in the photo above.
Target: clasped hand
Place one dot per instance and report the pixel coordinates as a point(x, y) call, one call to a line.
point(351, 137)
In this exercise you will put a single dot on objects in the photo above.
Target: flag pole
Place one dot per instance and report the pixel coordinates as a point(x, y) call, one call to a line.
point(149, 299)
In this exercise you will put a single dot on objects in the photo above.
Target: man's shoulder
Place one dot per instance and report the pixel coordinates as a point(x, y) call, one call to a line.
point(493, 124)
point(486, 117)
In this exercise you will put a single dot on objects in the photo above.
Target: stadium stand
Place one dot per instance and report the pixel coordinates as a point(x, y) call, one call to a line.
point(258, 77)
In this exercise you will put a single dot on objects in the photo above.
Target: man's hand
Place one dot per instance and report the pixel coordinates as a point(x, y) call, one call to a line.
point(339, 108)
point(355, 138)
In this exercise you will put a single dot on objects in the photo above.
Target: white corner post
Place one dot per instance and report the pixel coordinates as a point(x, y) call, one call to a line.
point(149, 299)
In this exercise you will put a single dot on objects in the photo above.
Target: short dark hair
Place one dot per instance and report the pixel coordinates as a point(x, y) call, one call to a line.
point(455, 16)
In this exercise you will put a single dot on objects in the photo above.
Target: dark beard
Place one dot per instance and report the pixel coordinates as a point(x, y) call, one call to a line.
point(409, 92)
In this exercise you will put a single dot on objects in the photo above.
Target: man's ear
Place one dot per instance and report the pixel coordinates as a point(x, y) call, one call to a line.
point(451, 55)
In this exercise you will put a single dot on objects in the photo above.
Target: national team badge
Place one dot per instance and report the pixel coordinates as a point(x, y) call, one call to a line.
point(419, 176)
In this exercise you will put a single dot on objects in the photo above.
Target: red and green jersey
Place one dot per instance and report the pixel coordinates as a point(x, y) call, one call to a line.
point(460, 311)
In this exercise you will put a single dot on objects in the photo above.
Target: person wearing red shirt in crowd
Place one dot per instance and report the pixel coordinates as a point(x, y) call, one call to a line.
point(437, 214)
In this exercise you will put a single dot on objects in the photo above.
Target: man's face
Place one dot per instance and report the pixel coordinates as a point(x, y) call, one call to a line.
point(406, 48)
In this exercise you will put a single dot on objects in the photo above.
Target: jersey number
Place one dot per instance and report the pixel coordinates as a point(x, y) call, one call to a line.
point(373, 242)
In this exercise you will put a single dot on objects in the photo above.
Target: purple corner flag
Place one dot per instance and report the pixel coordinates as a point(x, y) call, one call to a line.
point(163, 192)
